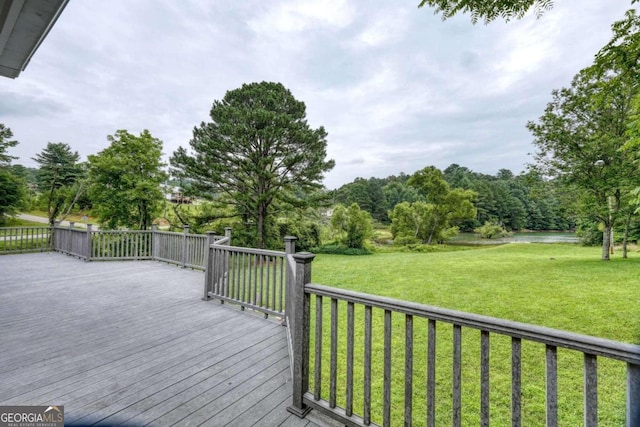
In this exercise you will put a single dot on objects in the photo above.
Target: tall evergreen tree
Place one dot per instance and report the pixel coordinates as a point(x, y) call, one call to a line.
point(59, 171)
point(257, 150)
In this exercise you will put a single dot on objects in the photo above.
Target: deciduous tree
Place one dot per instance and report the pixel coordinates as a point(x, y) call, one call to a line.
point(581, 134)
point(488, 10)
point(352, 224)
point(432, 219)
point(125, 180)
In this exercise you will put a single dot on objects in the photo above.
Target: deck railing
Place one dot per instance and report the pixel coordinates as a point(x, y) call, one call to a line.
point(345, 362)
point(378, 350)
point(183, 249)
point(72, 241)
point(25, 239)
point(250, 278)
point(109, 245)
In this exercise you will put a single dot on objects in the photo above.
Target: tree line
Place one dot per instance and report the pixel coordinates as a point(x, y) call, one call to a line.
point(120, 185)
point(516, 202)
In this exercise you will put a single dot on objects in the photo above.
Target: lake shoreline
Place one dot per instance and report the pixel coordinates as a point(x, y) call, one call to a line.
point(527, 236)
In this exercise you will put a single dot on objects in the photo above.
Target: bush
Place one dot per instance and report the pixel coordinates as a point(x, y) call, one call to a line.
point(307, 232)
point(590, 233)
point(352, 224)
point(490, 230)
point(337, 249)
point(405, 240)
point(422, 248)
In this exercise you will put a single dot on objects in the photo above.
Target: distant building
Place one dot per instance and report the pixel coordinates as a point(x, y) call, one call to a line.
point(175, 195)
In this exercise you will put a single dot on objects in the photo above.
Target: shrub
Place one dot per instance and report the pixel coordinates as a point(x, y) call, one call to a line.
point(490, 230)
point(352, 224)
point(337, 249)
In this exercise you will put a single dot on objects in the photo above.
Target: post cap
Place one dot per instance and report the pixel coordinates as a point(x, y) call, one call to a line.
point(304, 257)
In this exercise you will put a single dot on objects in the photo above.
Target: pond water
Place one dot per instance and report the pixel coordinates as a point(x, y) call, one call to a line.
point(528, 237)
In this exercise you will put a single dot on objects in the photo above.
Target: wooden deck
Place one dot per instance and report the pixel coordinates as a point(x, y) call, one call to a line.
point(132, 343)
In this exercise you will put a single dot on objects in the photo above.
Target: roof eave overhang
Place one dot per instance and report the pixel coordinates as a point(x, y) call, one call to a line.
point(24, 24)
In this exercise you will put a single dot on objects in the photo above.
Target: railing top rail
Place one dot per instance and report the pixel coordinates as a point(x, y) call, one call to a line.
point(38, 227)
point(170, 233)
point(67, 228)
point(626, 352)
point(252, 251)
point(221, 240)
point(117, 231)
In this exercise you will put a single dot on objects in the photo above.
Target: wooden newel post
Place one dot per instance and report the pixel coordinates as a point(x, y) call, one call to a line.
point(154, 242)
point(88, 243)
point(633, 395)
point(290, 249)
point(299, 330)
point(185, 232)
point(227, 233)
point(54, 235)
point(209, 267)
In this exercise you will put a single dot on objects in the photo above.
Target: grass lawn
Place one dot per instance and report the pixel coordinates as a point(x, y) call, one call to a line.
point(75, 217)
point(17, 222)
point(559, 286)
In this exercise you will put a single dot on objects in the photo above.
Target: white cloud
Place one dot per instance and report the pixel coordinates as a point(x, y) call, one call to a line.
point(300, 16)
point(396, 88)
point(386, 27)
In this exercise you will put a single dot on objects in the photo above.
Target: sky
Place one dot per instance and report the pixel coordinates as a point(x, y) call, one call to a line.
point(396, 87)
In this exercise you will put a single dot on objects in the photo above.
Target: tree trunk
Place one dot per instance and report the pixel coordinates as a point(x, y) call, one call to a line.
point(625, 239)
point(431, 233)
point(73, 202)
point(606, 242)
point(262, 225)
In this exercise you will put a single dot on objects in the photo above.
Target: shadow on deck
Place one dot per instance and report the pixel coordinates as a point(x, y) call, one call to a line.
point(124, 343)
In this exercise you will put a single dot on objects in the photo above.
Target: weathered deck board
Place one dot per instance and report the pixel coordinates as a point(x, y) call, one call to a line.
point(132, 343)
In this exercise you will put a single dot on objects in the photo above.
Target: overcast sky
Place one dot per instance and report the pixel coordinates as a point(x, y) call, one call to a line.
point(396, 88)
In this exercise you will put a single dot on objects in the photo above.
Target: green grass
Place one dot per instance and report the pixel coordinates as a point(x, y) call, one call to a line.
point(17, 222)
point(33, 245)
point(75, 217)
point(560, 286)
